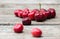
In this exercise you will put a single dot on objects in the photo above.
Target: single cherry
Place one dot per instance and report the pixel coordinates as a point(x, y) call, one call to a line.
point(35, 11)
point(20, 13)
point(43, 10)
point(26, 10)
point(39, 17)
point(18, 28)
point(48, 14)
point(53, 12)
point(31, 15)
point(16, 12)
point(36, 32)
point(26, 21)
point(24, 15)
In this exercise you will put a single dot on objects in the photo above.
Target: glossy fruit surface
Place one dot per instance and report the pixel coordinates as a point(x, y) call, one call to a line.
point(24, 15)
point(16, 12)
point(36, 32)
point(48, 14)
point(26, 10)
point(31, 15)
point(35, 11)
point(53, 12)
point(39, 17)
point(18, 28)
point(26, 21)
point(20, 13)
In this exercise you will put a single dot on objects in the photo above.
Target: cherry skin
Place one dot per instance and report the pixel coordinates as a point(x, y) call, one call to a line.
point(18, 28)
point(39, 17)
point(36, 32)
point(16, 12)
point(26, 21)
point(48, 14)
point(24, 15)
point(31, 15)
point(35, 11)
point(43, 10)
point(53, 12)
point(26, 10)
point(44, 15)
point(20, 13)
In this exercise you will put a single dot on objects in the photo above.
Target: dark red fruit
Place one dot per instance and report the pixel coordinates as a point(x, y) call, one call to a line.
point(31, 15)
point(24, 15)
point(26, 21)
point(16, 12)
point(36, 32)
point(39, 17)
point(20, 13)
point(43, 10)
point(48, 14)
point(35, 11)
point(26, 10)
point(53, 13)
point(18, 28)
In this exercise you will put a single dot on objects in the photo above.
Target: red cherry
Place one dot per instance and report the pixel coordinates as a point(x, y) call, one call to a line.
point(20, 13)
point(36, 32)
point(18, 28)
point(53, 13)
point(43, 10)
point(26, 10)
point(35, 11)
point(39, 17)
point(26, 21)
point(24, 15)
point(16, 12)
point(48, 14)
point(44, 16)
point(31, 15)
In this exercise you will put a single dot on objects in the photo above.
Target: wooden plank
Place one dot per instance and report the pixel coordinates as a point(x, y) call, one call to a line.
point(49, 32)
point(31, 1)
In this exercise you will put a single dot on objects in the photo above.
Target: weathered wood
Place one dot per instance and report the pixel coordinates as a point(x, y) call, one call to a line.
point(49, 32)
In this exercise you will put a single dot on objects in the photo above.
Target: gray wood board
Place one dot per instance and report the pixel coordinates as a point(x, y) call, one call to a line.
point(49, 32)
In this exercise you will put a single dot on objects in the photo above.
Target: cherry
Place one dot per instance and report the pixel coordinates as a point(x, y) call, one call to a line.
point(35, 11)
point(36, 32)
point(48, 14)
point(39, 17)
point(16, 12)
point(31, 15)
point(26, 10)
point(24, 15)
point(18, 28)
point(43, 10)
point(20, 13)
point(26, 21)
point(53, 13)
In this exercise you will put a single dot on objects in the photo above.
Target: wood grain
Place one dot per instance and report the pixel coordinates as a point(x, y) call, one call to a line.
point(49, 32)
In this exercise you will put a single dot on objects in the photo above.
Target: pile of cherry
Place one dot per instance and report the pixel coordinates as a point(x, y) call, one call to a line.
point(35, 14)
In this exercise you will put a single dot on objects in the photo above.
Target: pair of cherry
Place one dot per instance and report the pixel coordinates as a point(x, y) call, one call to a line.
point(36, 32)
point(35, 14)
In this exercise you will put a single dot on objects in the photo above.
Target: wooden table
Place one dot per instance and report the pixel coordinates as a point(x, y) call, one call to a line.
point(50, 28)
point(49, 32)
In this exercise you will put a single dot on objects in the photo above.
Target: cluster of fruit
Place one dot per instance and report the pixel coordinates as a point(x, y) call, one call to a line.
point(36, 32)
point(35, 14)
